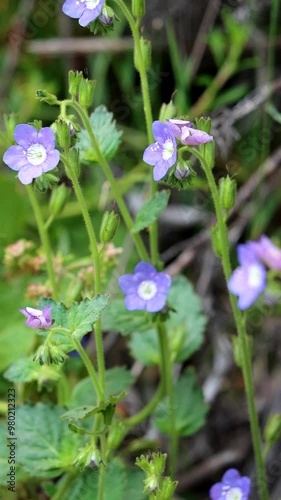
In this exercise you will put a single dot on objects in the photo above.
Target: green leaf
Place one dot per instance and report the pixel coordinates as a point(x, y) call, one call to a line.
point(80, 413)
point(217, 42)
point(23, 370)
point(105, 131)
point(117, 379)
point(107, 408)
point(185, 327)
point(45, 446)
point(121, 483)
point(150, 211)
point(119, 319)
point(231, 96)
point(82, 316)
point(15, 340)
point(190, 408)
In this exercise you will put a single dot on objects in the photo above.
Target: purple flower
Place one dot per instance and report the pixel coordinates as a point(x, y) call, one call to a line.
point(36, 318)
point(232, 487)
point(145, 289)
point(84, 10)
point(267, 252)
point(249, 280)
point(189, 136)
point(107, 16)
point(182, 172)
point(35, 153)
point(163, 153)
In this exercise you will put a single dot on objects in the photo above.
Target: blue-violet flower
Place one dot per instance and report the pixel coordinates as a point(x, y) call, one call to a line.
point(232, 487)
point(36, 318)
point(163, 153)
point(145, 289)
point(84, 10)
point(188, 136)
point(35, 153)
point(248, 281)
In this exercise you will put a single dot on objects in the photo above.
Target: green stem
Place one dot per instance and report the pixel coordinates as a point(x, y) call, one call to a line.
point(44, 237)
point(63, 485)
point(148, 409)
point(167, 377)
point(107, 171)
point(96, 262)
point(87, 362)
point(246, 356)
point(147, 112)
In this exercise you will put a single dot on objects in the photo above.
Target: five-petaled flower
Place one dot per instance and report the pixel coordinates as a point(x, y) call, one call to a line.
point(163, 153)
point(187, 135)
point(146, 288)
point(232, 487)
point(36, 318)
point(35, 153)
point(248, 281)
point(84, 10)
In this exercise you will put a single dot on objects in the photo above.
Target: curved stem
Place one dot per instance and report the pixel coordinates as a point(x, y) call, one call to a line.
point(96, 262)
point(87, 362)
point(147, 112)
point(148, 409)
point(44, 237)
point(107, 171)
point(167, 376)
point(63, 485)
point(246, 356)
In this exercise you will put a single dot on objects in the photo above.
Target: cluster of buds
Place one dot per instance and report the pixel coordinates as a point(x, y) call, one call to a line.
point(153, 467)
point(48, 354)
point(88, 457)
point(22, 257)
point(37, 290)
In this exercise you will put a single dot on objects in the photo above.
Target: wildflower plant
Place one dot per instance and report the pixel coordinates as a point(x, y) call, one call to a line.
point(77, 441)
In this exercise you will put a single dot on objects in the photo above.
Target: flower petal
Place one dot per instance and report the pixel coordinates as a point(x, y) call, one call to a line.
point(152, 154)
point(157, 303)
point(25, 135)
point(230, 476)
point(245, 485)
point(15, 158)
point(197, 137)
point(72, 9)
point(52, 160)
point(128, 284)
point(33, 322)
point(28, 173)
point(134, 302)
point(216, 492)
point(146, 269)
point(161, 131)
point(46, 137)
point(90, 15)
point(23, 311)
point(160, 170)
point(163, 282)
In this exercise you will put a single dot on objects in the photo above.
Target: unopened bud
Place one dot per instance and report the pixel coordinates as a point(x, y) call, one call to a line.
point(74, 80)
point(145, 54)
point(86, 92)
point(63, 132)
point(58, 199)
point(227, 192)
point(107, 15)
point(138, 8)
point(182, 171)
point(167, 111)
point(45, 96)
point(109, 226)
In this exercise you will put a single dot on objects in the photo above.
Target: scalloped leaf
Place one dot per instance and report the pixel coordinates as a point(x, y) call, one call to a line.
point(23, 370)
point(108, 137)
point(151, 210)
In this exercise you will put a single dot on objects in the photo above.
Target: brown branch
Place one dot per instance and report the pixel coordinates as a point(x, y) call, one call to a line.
point(69, 45)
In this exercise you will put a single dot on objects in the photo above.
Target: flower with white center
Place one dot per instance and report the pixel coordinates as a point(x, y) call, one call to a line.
point(35, 153)
point(233, 486)
point(162, 154)
point(248, 281)
point(37, 318)
point(84, 10)
point(187, 135)
point(145, 289)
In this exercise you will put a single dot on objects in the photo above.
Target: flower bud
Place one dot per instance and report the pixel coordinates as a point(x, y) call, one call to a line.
point(138, 8)
point(74, 80)
point(272, 430)
point(107, 15)
point(58, 199)
point(216, 240)
point(45, 96)
point(146, 55)
point(182, 171)
point(167, 111)
point(63, 133)
point(45, 182)
point(84, 458)
point(42, 355)
point(109, 226)
point(86, 92)
point(227, 192)
point(57, 355)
